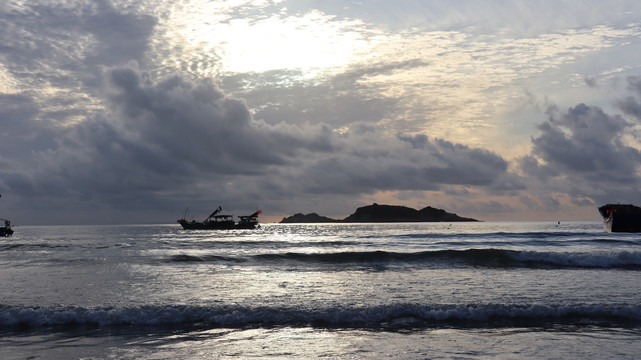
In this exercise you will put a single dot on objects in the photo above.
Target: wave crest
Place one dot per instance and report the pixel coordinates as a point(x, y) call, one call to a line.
point(442, 258)
point(376, 316)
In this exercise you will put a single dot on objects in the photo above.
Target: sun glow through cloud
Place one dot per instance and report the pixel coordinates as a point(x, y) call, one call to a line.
point(313, 42)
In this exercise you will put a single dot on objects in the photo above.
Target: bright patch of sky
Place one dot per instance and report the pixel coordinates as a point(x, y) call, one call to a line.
point(313, 42)
point(454, 84)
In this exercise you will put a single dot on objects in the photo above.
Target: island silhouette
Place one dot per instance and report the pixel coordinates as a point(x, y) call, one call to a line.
point(381, 213)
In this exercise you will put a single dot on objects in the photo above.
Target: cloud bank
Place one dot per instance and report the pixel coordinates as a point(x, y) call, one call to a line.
point(177, 141)
point(589, 153)
point(113, 111)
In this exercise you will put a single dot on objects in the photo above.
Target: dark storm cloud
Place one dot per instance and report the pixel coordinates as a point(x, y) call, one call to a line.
point(630, 104)
point(162, 138)
point(587, 141)
point(20, 130)
point(531, 166)
point(180, 140)
point(464, 165)
point(371, 162)
point(196, 124)
point(587, 153)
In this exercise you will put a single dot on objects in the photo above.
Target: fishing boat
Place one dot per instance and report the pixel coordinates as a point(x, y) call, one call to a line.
point(217, 221)
point(621, 217)
point(6, 229)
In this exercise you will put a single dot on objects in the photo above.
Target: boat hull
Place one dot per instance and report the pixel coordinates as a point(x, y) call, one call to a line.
point(221, 222)
point(621, 218)
point(195, 225)
point(5, 232)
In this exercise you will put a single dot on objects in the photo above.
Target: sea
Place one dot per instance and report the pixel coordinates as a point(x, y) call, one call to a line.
point(474, 290)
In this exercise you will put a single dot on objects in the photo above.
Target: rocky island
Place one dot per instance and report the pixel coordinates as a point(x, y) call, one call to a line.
point(383, 213)
point(308, 218)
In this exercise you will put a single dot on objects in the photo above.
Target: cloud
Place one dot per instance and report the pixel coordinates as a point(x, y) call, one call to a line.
point(335, 99)
point(54, 52)
point(118, 37)
point(590, 81)
point(21, 131)
point(83, 131)
point(370, 161)
point(630, 105)
point(196, 124)
point(174, 138)
point(159, 136)
point(585, 140)
point(587, 153)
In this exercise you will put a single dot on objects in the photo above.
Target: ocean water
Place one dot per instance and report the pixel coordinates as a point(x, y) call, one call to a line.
point(517, 290)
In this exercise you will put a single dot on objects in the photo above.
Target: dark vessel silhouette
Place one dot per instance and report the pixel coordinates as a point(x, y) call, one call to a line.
point(221, 222)
point(621, 217)
point(6, 229)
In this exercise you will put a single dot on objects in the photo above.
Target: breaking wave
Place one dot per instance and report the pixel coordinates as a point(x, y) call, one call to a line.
point(471, 257)
point(376, 316)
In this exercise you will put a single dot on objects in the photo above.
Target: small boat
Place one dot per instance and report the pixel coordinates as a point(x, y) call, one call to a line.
point(621, 217)
point(215, 221)
point(6, 230)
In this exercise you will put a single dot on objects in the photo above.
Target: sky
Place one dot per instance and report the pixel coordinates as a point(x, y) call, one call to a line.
point(132, 111)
